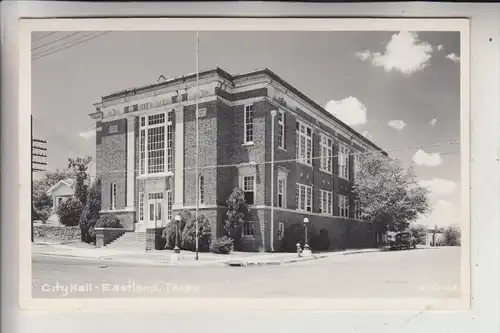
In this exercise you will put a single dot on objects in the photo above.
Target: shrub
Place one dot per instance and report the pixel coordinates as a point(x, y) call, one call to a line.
point(321, 242)
point(69, 212)
point(222, 245)
point(235, 215)
point(294, 234)
point(451, 236)
point(90, 213)
point(168, 234)
point(204, 234)
point(108, 221)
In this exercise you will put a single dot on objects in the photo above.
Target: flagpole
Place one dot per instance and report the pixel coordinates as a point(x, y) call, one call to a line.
point(197, 134)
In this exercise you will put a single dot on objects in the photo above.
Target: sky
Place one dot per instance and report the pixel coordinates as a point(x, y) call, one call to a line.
point(400, 89)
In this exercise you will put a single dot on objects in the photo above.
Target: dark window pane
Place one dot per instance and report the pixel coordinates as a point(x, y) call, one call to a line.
point(249, 198)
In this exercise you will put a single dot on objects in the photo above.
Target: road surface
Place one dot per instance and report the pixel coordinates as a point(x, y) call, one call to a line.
point(412, 273)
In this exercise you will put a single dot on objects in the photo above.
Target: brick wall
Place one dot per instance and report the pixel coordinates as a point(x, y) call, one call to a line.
point(111, 163)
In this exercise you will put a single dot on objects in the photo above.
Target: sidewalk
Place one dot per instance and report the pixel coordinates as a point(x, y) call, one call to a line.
point(186, 258)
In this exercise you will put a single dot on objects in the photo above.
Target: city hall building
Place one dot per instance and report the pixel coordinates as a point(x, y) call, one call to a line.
point(291, 158)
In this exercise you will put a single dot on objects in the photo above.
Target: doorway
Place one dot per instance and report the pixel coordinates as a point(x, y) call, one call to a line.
point(155, 209)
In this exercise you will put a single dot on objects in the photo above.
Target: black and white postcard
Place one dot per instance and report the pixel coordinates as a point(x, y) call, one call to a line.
point(269, 163)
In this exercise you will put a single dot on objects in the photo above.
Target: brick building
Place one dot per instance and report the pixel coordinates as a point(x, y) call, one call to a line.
point(146, 157)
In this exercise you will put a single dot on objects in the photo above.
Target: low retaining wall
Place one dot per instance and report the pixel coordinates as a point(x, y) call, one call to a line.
point(55, 232)
point(104, 236)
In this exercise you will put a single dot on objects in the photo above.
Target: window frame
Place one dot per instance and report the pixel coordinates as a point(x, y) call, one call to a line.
point(141, 207)
point(343, 205)
point(326, 162)
point(281, 193)
point(248, 121)
point(168, 143)
point(280, 132)
point(343, 158)
point(251, 227)
point(304, 142)
point(254, 185)
point(281, 230)
point(306, 190)
point(201, 190)
point(326, 198)
point(113, 196)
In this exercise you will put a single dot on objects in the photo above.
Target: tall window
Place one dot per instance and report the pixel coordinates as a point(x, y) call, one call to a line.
point(281, 230)
point(249, 189)
point(281, 129)
point(201, 190)
point(281, 192)
point(248, 123)
point(326, 199)
point(141, 206)
point(247, 229)
point(113, 196)
point(357, 212)
point(304, 143)
point(326, 154)
point(343, 157)
point(357, 164)
point(156, 143)
point(169, 205)
point(343, 205)
point(303, 194)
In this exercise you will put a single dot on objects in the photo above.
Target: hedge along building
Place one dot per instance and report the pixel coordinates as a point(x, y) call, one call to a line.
point(146, 157)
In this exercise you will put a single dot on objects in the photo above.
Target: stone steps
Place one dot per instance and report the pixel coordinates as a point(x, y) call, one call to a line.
point(129, 241)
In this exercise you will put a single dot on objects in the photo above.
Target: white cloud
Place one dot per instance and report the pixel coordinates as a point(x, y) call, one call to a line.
point(433, 122)
point(440, 47)
point(88, 134)
point(443, 213)
point(368, 135)
point(404, 52)
point(438, 186)
point(453, 57)
point(427, 159)
point(397, 124)
point(350, 110)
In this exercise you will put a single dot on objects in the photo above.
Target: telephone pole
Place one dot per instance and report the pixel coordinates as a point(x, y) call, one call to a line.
point(38, 156)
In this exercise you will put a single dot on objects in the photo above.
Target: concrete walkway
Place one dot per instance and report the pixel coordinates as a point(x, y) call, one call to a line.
point(186, 258)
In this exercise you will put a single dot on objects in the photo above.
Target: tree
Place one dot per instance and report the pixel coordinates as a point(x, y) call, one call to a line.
point(90, 213)
point(383, 186)
point(235, 216)
point(42, 203)
point(418, 232)
point(204, 234)
point(69, 212)
point(79, 166)
point(451, 236)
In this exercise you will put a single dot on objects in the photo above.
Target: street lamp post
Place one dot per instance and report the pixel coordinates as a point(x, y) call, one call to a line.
point(307, 250)
point(177, 221)
point(273, 115)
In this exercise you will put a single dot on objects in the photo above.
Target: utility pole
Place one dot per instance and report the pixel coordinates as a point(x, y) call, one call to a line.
point(197, 140)
point(38, 156)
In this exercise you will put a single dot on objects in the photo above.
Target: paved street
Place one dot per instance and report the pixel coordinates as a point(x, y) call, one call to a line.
point(413, 273)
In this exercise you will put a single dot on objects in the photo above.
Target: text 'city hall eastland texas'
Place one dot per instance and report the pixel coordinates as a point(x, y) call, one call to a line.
point(146, 158)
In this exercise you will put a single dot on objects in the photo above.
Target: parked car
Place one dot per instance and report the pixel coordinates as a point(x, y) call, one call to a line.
point(398, 240)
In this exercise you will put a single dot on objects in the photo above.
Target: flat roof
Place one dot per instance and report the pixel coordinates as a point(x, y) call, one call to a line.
point(222, 73)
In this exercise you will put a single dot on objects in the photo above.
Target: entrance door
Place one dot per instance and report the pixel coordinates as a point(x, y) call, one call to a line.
point(155, 208)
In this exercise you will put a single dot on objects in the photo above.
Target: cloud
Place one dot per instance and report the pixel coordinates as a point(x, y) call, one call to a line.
point(438, 186)
point(427, 159)
point(433, 122)
point(453, 57)
point(440, 47)
point(397, 124)
point(88, 134)
point(350, 110)
point(368, 135)
point(404, 52)
point(443, 213)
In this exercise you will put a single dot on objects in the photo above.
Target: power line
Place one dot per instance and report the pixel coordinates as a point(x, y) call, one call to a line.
point(46, 35)
point(55, 41)
point(43, 54)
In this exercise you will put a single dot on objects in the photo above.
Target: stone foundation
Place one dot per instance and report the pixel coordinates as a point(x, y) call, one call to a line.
point(59, 233)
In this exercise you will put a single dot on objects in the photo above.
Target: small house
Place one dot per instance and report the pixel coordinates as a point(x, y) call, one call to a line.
point(60, 192)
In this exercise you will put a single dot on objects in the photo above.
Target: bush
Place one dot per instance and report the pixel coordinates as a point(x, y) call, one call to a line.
point(321, 242)
point(69, 212)
point(188, 240)
point(451, 236)
point(222, 245)
point(168, 234)
point(90, 213)
point(294, 234)
point(109, 221)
